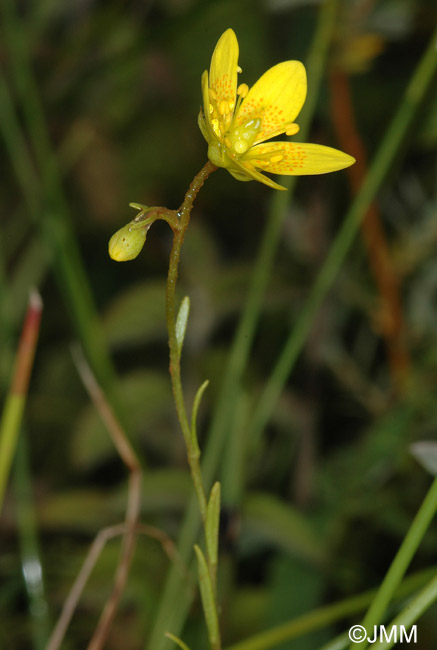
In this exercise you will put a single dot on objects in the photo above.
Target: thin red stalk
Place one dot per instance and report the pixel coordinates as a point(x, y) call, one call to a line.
point(27, 345)
point(128, 456)
point(14, 404)
point(94, 552)
point(392, 321)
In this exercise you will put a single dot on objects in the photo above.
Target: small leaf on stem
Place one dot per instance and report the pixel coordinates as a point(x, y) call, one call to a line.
point(207, 595)
point(212, 524)
point(181, 322)
point(197, 400)
point(139, 206)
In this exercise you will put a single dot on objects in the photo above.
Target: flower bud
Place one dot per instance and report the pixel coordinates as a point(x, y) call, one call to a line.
point(127, 242)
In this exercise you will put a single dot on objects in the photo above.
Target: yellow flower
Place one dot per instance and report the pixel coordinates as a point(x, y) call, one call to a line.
point(236, 121)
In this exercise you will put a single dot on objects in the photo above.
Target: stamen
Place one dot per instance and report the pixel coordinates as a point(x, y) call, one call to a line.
point(239, 69)
point(242, 90)
point(277, 158)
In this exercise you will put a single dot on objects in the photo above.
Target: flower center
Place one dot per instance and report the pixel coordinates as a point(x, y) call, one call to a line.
point(241, 138)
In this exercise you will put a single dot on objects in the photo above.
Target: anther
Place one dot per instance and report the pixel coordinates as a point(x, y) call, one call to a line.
point(292, 129)
point(242, 90)
point(276, 158)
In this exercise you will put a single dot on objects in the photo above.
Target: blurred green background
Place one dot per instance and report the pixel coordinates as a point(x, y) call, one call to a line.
point(99, 105)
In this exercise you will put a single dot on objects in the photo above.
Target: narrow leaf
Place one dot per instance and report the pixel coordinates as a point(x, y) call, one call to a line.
point(207, 595)
point(177, 640)
point(181, 322)
point(196, 405)
point(212, 524)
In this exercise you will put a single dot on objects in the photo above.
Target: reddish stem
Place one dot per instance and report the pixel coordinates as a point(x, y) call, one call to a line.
point(386, 279)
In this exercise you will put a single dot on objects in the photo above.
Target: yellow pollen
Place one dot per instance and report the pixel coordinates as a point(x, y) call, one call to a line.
point(277, 158)
point(228, 143)
point(242, 90)
point(239, 69)
point(292, 129)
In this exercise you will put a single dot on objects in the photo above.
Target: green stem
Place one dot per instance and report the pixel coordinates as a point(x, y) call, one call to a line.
point(179, 230)
point(193, 453)
point(403, 558)
point(175, 369)
point(10, 423)
point(411, 613)
point(325, 616)
point(174, 602)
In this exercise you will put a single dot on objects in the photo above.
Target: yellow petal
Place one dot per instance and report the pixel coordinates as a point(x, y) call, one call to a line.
point(223, 70)
point(276, 98)
point(298, 159)
point(246, 172)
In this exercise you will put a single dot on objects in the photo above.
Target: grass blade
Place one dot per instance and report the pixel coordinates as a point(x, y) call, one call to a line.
point(16, 399)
